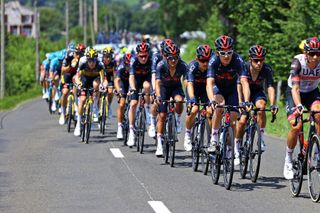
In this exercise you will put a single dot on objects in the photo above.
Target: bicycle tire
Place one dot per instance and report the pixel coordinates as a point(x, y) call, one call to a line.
point(313, 168)
point(244, 153)
point(255, 153)
point(83, 127)
point(104, 115)
point(228, 161)
point(205, 139)
point(69, 113)
point(215, 166)
point(137, 132)
point(165, 147)
point(142, 129)
point(297, 167)
point(172, 139)
point(195, 147)
point(88, 123)
point(125, 126)
point(50, 101)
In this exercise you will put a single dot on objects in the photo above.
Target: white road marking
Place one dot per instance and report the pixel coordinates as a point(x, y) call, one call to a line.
point(158, 207)
point(116, 153)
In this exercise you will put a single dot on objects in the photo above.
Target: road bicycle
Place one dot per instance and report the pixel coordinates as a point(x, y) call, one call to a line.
point(88, 115)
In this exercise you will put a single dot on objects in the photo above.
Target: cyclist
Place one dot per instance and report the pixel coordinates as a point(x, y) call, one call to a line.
point(139, 78)
point(54, 74)
point(197, 77)
point(88, 73)
point(156, 58)
point(302, 92)
point(252, 81)
point(168, 84)
point(121, 84)
point(109, 67)
point(68, 71)
point(223, 75)
point(44, 73)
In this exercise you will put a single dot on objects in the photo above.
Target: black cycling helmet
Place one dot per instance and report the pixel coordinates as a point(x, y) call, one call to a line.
point(257, 51)
point(312, 44)
point(224, 43)
point(204, 51)
point(171, 49)
point(143, 48)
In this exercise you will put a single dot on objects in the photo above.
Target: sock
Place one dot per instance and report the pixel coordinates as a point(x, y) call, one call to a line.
point(214, 136)
point(79, 120)
point(147, 108)
point(262, 133)
point(119, 124)
point(289, 155)
point(178, 117)
point(95, 102)
point(63, 110)
point(153, 120)
point(188, 131)
point(43, 91)
point(237, 142)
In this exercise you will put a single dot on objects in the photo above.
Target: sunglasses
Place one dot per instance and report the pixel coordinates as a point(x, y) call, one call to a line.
point(223, 53)
point(171, 58)
point(314, 53)
point(202, 60)
point(256, 60)
point(107, 56)
point(143, 56)
point(91, 60)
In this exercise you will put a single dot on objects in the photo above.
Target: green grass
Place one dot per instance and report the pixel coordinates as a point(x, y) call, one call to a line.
point(280, 127)
point(12, 101)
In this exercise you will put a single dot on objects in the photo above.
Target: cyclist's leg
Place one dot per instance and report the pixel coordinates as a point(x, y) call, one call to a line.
point(178, 95)
point(121, 108)
point(315, 106)
point(56, 79)
point(96, 96)
point(67, 79)
point(132, 114)
point(110, 97)
point(147, 89)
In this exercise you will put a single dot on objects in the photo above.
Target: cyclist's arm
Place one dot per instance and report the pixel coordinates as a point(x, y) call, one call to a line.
point(209, 88)
point(240, 93)
point(190, 90)
point(117, 84)
point(132, 82)
point(245, 89)
point(158, 82)
point(103, 80)
point(295, 77)
point(272, 95)
point(153, 80)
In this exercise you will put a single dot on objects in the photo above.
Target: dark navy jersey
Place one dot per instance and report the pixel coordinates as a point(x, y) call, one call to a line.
point(140, 70)
point(122, 72)
point(67, 61)
point(265, 75)
point(156, 58)
point(197, 77)
point(226, 77)
point(109, 70)
point(167, 80)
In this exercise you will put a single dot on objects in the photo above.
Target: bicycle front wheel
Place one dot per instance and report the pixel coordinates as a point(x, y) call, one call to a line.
point(125, 127)
point(142, 129)
point(88, 123)
point(172, 135)
point(204, 139)
point(103, 115)
point(297, 167)
point(137, 125)
point(69, 113)
point(255, 153)
point(314, 168)
point(215, 166)
point(195, 148)
point(244, 153)
point(228, 157)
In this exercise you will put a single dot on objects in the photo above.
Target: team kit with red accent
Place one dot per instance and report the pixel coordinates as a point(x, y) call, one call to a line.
point(217, 77)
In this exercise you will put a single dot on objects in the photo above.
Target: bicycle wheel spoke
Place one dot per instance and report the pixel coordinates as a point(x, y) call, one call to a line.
point(313, 169)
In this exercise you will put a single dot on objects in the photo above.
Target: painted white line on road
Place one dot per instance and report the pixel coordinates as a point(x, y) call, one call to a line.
point(116, 153)
point(158, 207)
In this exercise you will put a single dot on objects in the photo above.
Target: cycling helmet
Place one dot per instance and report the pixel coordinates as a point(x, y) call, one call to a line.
point(257, 51)
point(204, 51)
point(81, 48)
point(171, 49)
point(143, 48)
point(312, 45)
point(91, 53)
point(224, 43)
point(107, 51)
point(165, 42)
point(301, 45)
point(127, 58)
point(71, 46)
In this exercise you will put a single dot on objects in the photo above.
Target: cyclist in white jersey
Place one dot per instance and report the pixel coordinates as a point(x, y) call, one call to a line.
point(302, 92)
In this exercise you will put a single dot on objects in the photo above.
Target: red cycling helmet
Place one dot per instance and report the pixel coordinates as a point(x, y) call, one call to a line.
point(171, 49)
point(312, 45)
point(224, 43)
point(143, 48)
point(81, 48)
point(127, 58)
point(257, 51)
point(204, 51)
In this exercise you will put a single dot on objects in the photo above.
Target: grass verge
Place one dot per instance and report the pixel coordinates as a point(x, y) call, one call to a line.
point(10, 102)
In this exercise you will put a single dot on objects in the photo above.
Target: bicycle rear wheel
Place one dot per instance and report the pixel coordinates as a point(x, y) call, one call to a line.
point(255, 153)
point(172, 135)
point(228, 157)
point(244, 153)
point(142, 129)
point(297, 167)
point(195, 147)
point(314, 168)
point(69, 113)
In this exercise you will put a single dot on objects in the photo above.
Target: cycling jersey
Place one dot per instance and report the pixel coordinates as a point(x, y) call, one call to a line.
point(265, 74)
point(167, 80)
point(84, 69)
point(226, 77)
point(199, 80)
point(55, 66)
point(109, 71)
point(302, 74)
point(141, 72)
point(156, 58)
point(46, 65)
point(67, 62)
point(123, 74)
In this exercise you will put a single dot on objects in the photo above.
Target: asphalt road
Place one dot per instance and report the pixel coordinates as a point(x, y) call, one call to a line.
point(45, 169)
